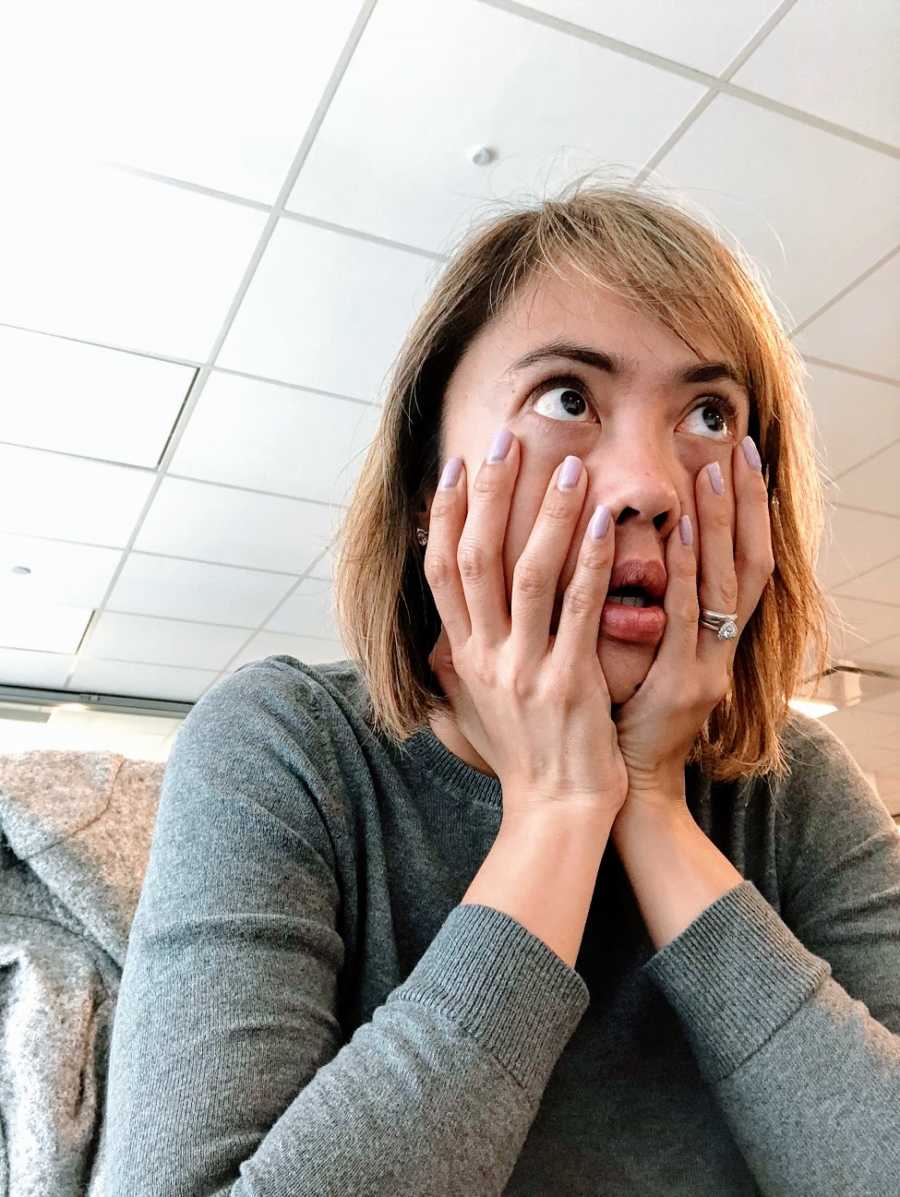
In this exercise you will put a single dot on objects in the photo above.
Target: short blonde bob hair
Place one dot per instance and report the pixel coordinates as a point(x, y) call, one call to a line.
point(662, 260)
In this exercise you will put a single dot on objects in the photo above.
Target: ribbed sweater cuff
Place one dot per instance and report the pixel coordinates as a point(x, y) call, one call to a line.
point(734, 976)
point(504, 986)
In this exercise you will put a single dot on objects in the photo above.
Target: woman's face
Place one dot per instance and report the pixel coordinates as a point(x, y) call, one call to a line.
point(641, 435)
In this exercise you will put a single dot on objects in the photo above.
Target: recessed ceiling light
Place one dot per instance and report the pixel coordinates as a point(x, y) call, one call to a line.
point(481, 155)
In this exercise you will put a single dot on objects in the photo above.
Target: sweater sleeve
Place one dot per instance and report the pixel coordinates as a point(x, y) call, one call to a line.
point(229, 1073)
point(795, 1019)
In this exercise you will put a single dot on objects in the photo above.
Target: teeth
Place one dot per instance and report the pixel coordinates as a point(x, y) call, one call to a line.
point(628, 600)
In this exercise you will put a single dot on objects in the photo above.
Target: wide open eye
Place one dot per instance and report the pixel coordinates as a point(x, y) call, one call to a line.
point(724, 421)
point(563, 399)
point(562, 395)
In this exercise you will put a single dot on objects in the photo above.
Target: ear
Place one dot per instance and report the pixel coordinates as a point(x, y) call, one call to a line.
point(441, 663)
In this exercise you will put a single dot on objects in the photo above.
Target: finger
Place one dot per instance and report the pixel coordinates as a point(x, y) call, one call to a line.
point(718, 579)
point(582, 605)
point(536, 573)
point(754, 560)
point(677, 653)
point(479, 555)
point(448, 514)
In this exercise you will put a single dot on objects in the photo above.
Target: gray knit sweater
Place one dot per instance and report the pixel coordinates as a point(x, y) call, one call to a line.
point(306, 1010)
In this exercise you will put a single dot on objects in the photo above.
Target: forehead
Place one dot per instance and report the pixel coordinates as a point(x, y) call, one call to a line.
point(578, 310)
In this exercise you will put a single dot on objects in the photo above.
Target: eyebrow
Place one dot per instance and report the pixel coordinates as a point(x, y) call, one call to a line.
point(617, 366)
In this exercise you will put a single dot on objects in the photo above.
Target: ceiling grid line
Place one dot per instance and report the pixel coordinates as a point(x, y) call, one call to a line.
point(318, 117)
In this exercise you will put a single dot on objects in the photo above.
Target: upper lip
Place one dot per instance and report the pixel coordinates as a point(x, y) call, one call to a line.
point(649, 575)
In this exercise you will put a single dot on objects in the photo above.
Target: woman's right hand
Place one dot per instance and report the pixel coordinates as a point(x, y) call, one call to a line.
point(535, 706)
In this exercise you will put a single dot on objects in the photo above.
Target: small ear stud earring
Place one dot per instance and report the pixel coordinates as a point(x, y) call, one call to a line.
point(421, 536)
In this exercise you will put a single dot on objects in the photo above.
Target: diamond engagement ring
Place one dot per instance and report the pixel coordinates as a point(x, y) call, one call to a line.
point(723, 625)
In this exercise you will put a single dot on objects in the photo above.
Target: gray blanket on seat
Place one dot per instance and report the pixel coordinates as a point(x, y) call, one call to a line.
point(75, 832)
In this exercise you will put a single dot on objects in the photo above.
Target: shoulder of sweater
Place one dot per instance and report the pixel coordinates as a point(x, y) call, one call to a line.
point(331, 690)
point(822, 771)
point(308, 720)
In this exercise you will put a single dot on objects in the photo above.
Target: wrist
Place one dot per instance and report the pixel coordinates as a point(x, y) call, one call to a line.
point(541, 812)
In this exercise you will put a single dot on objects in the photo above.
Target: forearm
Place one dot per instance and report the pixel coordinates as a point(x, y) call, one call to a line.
point(541, 870)
point(675, 870)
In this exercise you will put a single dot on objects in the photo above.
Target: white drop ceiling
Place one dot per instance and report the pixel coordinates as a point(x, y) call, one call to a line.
point(217, 222)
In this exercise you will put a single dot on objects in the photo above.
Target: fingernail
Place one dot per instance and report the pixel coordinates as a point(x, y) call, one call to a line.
point(500, 445)
point(686, 530)
point(751, 453)
point(569, 474)
point(715, 477)
point(450, 475)
point(599, 522)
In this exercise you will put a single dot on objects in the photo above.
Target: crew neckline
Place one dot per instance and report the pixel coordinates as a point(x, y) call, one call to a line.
point(434, 755)
point(431, 753)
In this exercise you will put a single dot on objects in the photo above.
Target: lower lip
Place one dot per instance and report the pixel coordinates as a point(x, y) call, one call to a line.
point(638, 625)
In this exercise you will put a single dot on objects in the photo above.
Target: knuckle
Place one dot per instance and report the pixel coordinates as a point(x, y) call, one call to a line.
point(598, 555)
point(519, 682)
point(437, 568)
point(557, 690)
point(720, 517)
point(557, 506)
point(529, 577)
point(482, 666)
point(472, 559)
point(488, 481)
point(442, 504)
point(580, 599)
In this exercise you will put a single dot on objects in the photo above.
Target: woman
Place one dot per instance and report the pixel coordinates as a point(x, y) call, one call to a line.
point(539, 891)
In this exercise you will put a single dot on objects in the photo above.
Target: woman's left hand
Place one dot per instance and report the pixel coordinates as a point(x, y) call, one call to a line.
point(693, 669)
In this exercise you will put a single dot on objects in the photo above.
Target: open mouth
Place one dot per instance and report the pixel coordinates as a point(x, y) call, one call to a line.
point(632, 596)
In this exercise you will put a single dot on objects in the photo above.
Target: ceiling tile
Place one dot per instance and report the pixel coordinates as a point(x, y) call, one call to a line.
point(70, 498)
point(307, 612)
point(308, 649)
point(91, 402)
point(812, 209)
point(393, 154)
point(63, 573)
point(854, 541)
point(883, 581)
point(859, 727)
point(861, 329)
point(236, 527)
point(866, 621)
point(888, 703)
point(855, 417)
point(836, 60)
point(151, 641)
point(704, 34)
point(178, 589)
point(44, 670)
point(886, 653)
point(217, 94)
point(326, 310)
point(874, 485)
point(138, 680)
point(106, 256)
point(276, 438)
point(49, 627)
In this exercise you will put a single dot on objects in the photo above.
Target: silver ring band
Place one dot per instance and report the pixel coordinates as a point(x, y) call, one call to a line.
point(724, 625)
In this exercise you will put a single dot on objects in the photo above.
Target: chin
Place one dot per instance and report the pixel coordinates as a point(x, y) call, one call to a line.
point(624, 666)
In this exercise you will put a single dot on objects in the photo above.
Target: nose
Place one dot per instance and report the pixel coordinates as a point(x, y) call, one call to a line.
point(638, 486)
